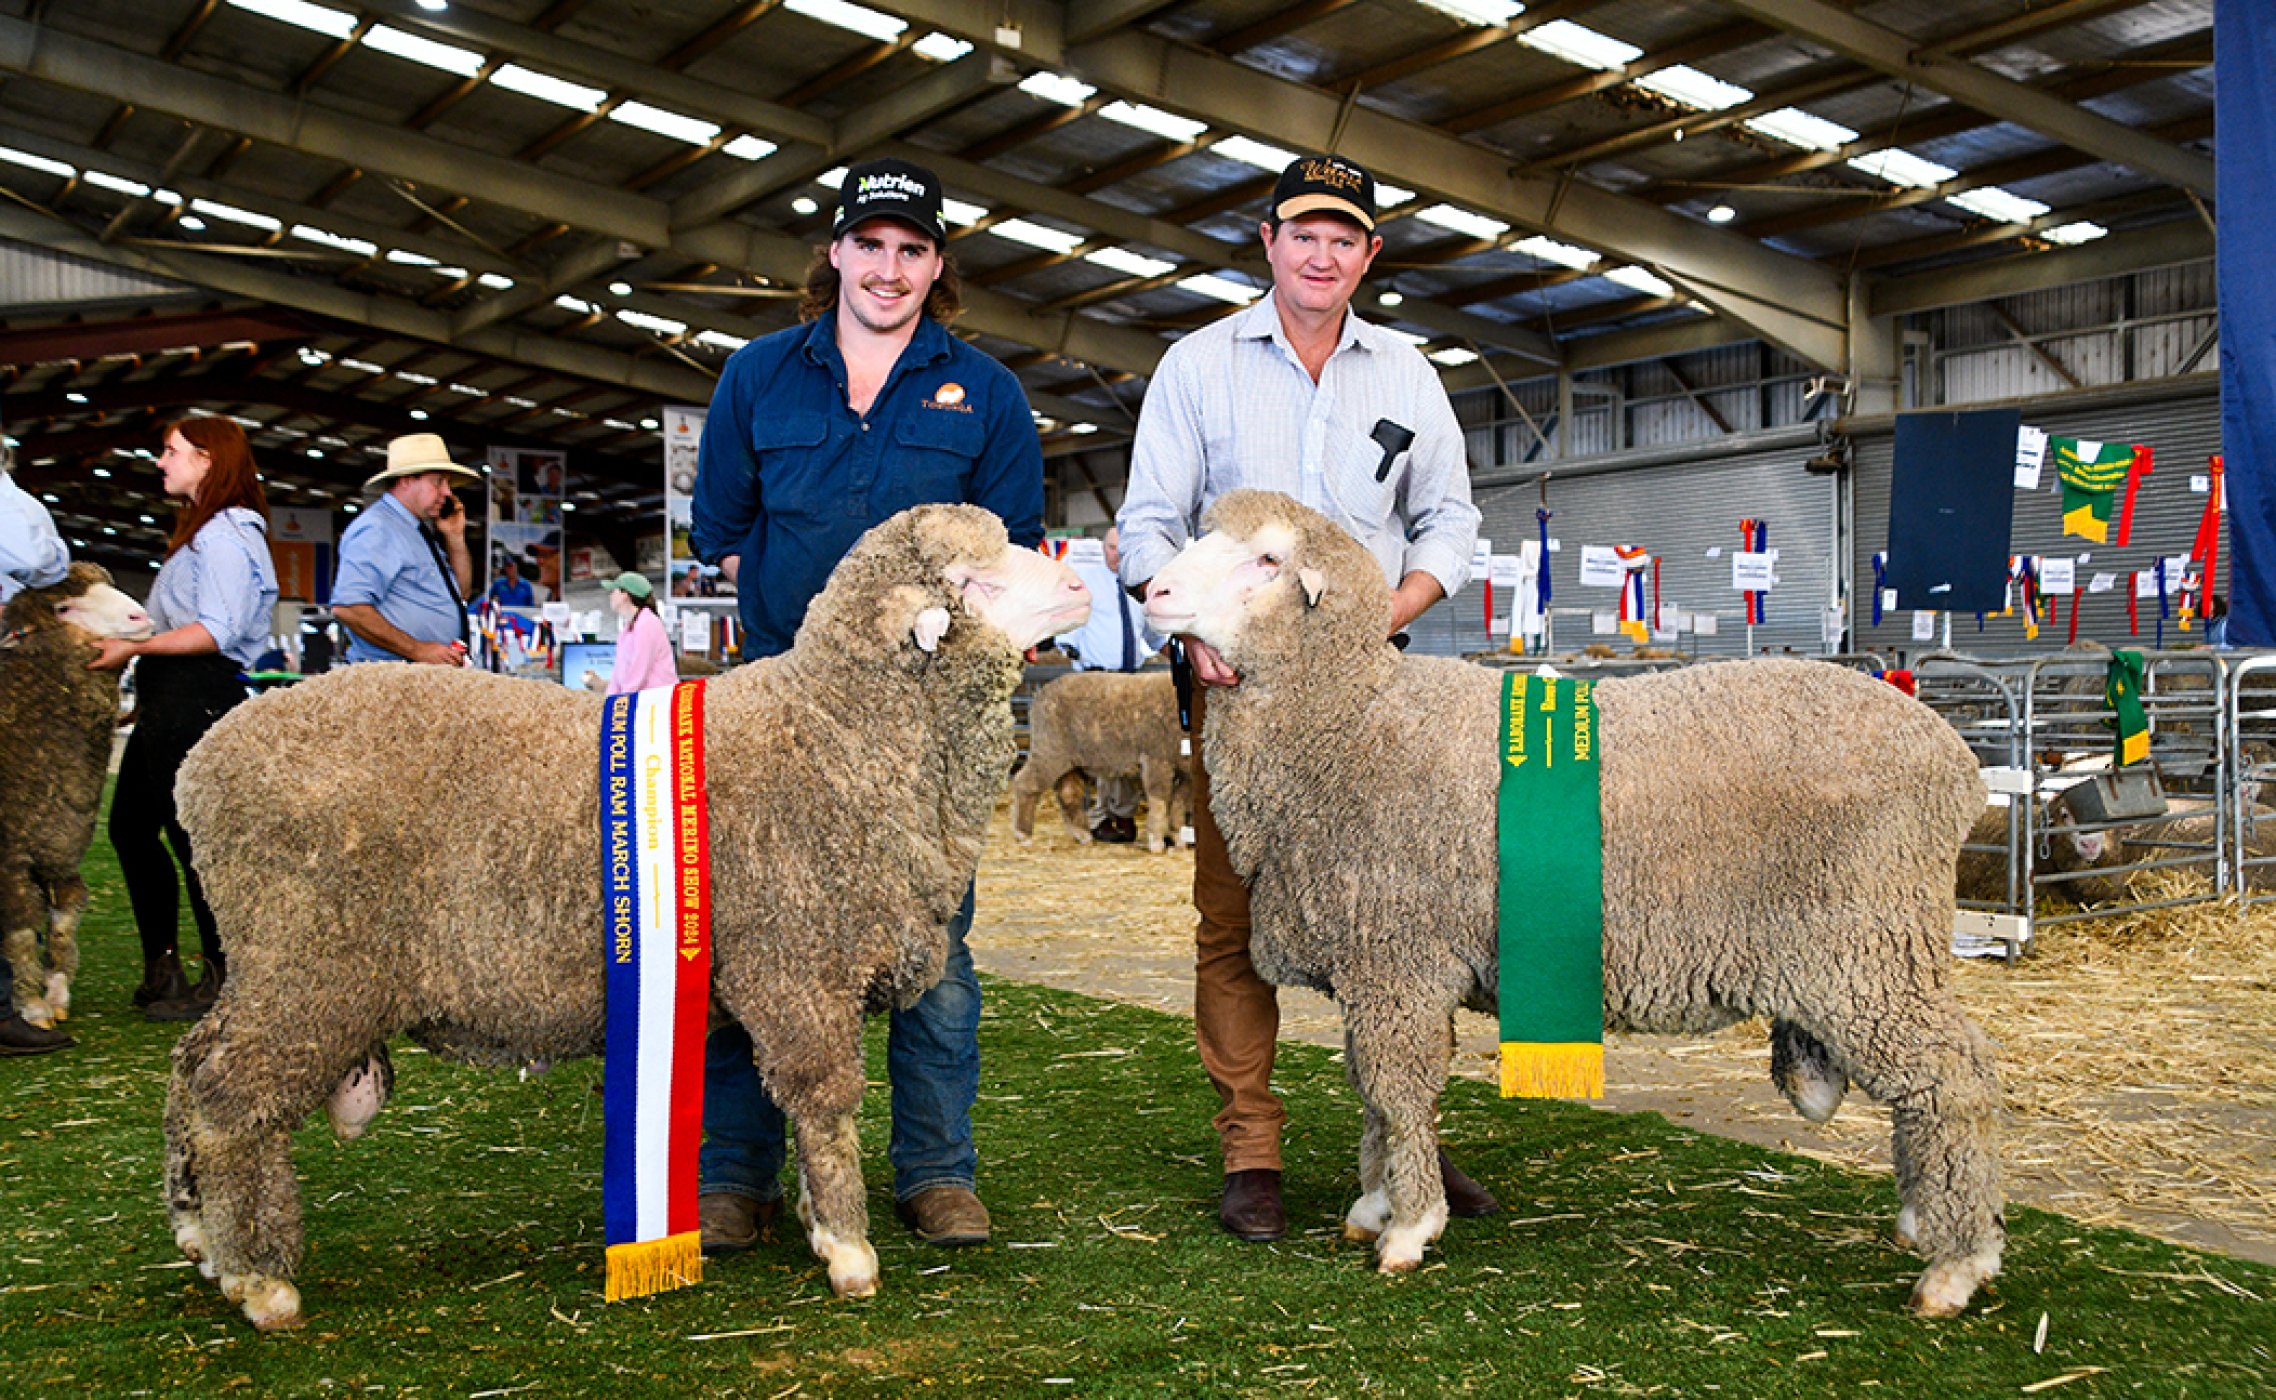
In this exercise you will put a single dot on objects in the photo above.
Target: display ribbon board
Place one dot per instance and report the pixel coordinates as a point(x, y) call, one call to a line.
point(1951, 503)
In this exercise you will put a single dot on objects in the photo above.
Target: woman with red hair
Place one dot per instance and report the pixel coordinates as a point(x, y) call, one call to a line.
point(212, 605)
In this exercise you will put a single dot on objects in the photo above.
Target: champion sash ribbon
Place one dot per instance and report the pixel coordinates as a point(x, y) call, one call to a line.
point(1550, 896)
point(2091, 473)
point(656, 893)
point(2122, 691)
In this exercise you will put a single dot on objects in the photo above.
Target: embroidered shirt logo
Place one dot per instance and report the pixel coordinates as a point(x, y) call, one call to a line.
point(949, 396)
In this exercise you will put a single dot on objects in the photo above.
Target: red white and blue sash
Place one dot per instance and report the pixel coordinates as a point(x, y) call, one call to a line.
point(656, 894)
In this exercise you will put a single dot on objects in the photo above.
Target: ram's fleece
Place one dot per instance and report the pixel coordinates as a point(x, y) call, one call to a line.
point(400, 848)
point(56, 722)
point(1748, 871)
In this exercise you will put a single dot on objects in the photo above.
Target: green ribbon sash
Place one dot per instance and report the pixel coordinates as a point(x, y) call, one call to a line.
point(2091, 473)
point(2122, 691)
point(1550, 831)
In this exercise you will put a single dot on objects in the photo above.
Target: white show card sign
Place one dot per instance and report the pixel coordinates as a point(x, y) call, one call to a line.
point(1086, 551)
point(1604, 624)
point(1504, 570)
point(695, 630)
point(1752, 572)
point(1600, 567)
point(1481, 557)
point(557, 614)
point(1674, 619)
point(2058, 576)
point(2030, 456)
point(1888, 600)
point(1923, 625)
point(1704, 624)
point(2102, 583)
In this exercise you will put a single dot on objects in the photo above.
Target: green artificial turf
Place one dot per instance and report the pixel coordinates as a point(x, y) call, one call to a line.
point(455, 1250)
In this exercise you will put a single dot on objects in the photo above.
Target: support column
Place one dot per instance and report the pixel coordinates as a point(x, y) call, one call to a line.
point(1876, 366)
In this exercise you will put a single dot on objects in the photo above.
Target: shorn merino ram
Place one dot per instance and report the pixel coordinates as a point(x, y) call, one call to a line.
point(1105, 724)
point(1747, 872)
point(56, 722)
point(348, 834)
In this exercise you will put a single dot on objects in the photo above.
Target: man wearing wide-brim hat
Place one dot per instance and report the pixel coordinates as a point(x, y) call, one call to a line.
point(404, 570)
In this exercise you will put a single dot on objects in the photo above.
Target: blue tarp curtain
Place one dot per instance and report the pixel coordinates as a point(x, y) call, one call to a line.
point(2244, 116)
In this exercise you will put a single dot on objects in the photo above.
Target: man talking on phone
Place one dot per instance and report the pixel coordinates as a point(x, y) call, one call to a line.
point(404, 570)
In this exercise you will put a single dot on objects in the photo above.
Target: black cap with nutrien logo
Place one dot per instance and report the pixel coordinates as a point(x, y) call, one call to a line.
point(1324, 185)
point(891, 189)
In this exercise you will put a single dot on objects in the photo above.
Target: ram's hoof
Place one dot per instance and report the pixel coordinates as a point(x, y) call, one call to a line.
point(1359, 1234)
point(1904, 1236)
point(272, 1305)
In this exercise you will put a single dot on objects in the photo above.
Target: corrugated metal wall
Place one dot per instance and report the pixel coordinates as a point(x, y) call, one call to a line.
point(33, 277)
point(1678, 504)
point(2180, 420)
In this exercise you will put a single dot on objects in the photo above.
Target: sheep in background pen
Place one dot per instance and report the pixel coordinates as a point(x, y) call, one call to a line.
point(1746, 872)
point(1105, 724)
point(56, 722)
point(850, 784)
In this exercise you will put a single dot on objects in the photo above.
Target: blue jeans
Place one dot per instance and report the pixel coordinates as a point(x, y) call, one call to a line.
point(932, 1058)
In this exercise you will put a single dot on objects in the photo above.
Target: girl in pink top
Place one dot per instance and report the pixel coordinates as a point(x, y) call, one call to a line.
point(643, 652)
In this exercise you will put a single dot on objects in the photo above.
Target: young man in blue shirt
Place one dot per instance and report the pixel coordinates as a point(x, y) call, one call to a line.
point(815, 434)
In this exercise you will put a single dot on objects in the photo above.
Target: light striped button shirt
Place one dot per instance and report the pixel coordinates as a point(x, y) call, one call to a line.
point(224, 578)
point(1232, 407)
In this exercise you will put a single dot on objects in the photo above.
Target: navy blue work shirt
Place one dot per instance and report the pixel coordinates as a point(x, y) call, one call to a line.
point(789, 476)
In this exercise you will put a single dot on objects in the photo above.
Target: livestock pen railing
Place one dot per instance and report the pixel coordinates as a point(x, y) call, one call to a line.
point(2252, 765)
point(2044, 736)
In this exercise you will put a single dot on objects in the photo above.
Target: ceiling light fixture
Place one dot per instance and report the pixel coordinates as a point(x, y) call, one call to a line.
point(336, 23)
point(419, 49)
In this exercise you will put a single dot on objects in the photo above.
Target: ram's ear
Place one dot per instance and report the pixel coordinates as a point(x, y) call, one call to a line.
point(901, 618)
point(931, 625)
point(1315, 583)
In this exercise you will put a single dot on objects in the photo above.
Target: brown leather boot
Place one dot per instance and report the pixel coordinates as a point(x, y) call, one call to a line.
point(162, 980)
point(949, 1216)
point(20, 1037)
point(192, 1004)
point(1251, 1208)
point(1464, 1197)
point(732, 1223)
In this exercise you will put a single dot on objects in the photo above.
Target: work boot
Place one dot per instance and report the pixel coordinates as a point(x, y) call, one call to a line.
point(162, 980)
point(732, 1223)
point(948, 1216)
point(1464, 1197)
point(1250, 1208)
point(20, 1037)
point(192, 1004)
point(1116, 831)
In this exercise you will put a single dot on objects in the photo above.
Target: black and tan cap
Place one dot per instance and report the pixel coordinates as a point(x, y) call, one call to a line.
point(1324, 185)
point(891, 189)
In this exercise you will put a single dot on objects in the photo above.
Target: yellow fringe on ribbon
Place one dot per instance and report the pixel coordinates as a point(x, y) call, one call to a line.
point(1561, 1071)
point(654, 1266)
point(1635, 632)
point(2081, 522)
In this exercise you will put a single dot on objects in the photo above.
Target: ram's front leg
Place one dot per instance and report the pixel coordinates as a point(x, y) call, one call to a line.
point(1397, 1057)
point(811, 1063)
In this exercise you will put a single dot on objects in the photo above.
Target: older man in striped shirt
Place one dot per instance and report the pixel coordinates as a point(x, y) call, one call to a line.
point(1294, 394)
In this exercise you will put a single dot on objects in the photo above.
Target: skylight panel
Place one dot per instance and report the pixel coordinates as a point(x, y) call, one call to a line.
point(720, 340)
point(833, 177)
point(1637, 279)
point(1799, 128)
point(1995, 203)
point(1457, 220)
point(1130, 264)
point(1154, 120)
point(410, 259)
point(1255, 153)
point(749, 147)
point(1486, 14)
point(120, 183)
point(582, 308)
point(860, 19)
point(1057, 87)
point(1036, 235)
point(1454, 356)
point(692, 130)
point(1389, 196)
point(1575, 43)
point(1549, 250)
point(329, 239)
point(1417, 341)
point(1899, 166)
point(962, 213)
point(40, 163)
point(941, 48)
point(661, 325)
point(419, 49)
point(1209, 284)
point(337, 23)
point(496, 281)
point(235, 215)
point(1693, 88)
point(2084, 231)
point(547, 88)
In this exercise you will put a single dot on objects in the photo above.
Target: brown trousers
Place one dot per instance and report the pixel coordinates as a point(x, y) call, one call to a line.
point(1236, 1014)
